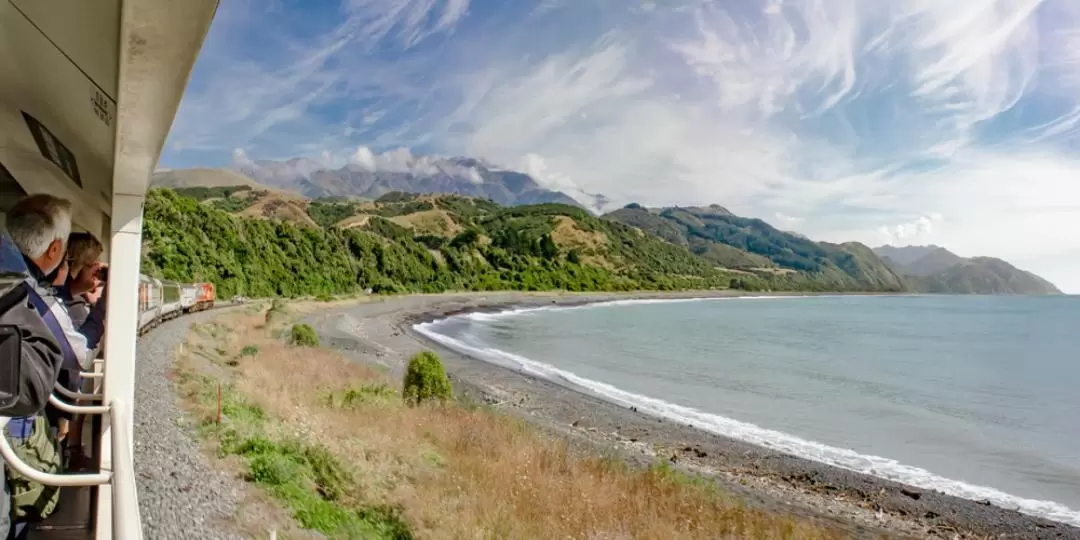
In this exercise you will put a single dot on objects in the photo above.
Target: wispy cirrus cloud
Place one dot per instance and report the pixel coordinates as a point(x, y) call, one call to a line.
point(856, 117)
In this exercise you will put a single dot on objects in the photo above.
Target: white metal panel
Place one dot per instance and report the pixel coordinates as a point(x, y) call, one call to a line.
point(120, 334)
point(36, 78)
point(159, 40)
point(188, 294)
point(37, 175)
point(146, 316)
point(170, 308)
point(87, 31)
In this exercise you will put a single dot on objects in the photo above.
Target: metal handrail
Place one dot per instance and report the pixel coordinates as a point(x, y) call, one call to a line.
point(49, 479)
point(74, 395)
point(126, 521)
point(77, 409)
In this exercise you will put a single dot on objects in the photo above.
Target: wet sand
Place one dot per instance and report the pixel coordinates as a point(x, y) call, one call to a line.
point(380, 332)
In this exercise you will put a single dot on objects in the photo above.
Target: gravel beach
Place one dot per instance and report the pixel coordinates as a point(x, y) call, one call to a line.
point(379, 332)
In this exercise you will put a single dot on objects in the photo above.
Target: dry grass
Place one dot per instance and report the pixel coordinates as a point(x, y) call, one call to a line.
point(568, 235)
point(355, 221)
point(279, 205)
point(455, 471)
point(433, 222)
point(777, 271)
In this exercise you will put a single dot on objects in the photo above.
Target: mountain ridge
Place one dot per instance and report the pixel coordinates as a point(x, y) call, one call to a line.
point(461, 176)
point(935, 269)
point(751, 244)
point(763, 256)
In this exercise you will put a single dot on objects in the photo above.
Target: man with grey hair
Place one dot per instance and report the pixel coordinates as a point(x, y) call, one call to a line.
point(41, 355)
point(39, 226)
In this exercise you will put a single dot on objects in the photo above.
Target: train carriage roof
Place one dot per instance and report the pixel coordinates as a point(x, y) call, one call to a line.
point(88, 91)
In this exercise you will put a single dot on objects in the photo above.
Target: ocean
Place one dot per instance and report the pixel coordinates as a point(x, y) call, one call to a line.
point(974, 396)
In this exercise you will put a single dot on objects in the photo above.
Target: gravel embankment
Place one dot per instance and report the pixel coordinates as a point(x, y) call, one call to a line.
point(181, 495)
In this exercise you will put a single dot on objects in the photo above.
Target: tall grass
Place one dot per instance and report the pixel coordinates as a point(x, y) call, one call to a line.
point(333, 441)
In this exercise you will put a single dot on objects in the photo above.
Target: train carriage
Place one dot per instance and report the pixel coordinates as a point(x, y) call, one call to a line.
point(189, 293)
point(149, 301)
point(88, 91)
point(170, 300)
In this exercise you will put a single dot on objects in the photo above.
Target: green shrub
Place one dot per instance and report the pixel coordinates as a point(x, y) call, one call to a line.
point(426, 379)
point(249, 350)
point(276, 312)
point(359, 395)
point(304, 335)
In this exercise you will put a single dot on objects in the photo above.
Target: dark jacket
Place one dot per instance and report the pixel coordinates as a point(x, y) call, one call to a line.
point(40, 359)
point(79, 309)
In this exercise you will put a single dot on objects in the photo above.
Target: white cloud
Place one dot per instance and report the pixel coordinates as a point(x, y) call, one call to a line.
point(244, 94)
point(910, 232)
point(856, 117)
point(401, 160)
point(407, 21)
point(363, 159)
point(535, 166)
point(239, 157)
point(788, 221)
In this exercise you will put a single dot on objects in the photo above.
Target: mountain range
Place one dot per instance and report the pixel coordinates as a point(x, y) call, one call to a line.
point(758, 255)
point(415, 174)
point(934, 269)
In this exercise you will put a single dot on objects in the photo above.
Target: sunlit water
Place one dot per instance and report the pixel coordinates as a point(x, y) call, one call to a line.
point(974, 396)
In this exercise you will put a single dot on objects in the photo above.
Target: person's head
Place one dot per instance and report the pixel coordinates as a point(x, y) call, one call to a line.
point(39, 226)
point(82, 251)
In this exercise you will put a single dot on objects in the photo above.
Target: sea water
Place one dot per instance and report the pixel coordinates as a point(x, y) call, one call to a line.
point(975, 396)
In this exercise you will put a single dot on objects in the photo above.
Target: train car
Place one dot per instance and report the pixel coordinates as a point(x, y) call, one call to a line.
point(189, 293)
point(149, 301)
point(170, 300)
point(161, 300)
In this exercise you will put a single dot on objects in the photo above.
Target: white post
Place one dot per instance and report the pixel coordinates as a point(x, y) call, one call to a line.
point(123, 322)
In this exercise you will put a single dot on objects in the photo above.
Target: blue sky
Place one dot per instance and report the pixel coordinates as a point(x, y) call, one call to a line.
point(901, 121)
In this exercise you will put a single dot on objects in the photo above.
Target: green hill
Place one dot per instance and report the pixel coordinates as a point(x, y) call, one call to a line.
point(934, 269)
point(538, 247)
point(259, 242)
point(752, 245)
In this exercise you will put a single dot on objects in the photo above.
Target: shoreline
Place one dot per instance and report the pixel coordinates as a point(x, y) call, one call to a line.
point(381, 331)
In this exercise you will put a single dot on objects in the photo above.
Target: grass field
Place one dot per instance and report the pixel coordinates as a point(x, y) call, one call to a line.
point(336, 449)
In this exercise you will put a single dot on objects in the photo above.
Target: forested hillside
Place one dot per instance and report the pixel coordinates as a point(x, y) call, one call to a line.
point(749, 244)
point(384, 246)
point(256, 241)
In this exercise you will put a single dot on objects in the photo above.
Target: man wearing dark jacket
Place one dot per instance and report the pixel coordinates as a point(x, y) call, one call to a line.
point(41, 356)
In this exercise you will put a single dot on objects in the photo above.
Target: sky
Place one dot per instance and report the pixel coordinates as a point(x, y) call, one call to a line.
point(880, 121)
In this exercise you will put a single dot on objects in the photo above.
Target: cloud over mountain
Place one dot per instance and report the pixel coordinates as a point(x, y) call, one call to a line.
point(952, 123)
